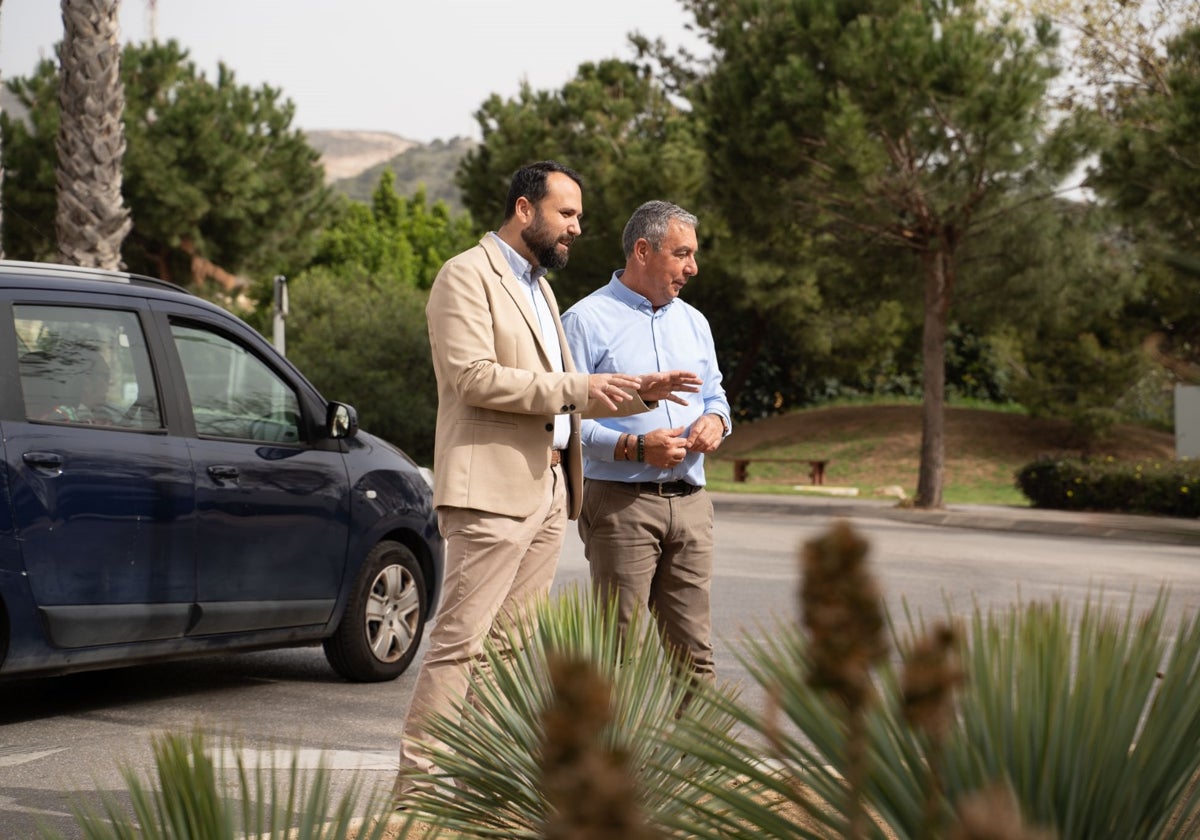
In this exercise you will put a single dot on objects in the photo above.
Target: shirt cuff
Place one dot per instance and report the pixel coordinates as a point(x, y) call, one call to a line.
point(603, 443)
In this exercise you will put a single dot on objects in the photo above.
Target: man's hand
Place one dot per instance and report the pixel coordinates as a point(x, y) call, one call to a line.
point(707, 433)
point(664, 448)
point(612, 388)
point(661, 385)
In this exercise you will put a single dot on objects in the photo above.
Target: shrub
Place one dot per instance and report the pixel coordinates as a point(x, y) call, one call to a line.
point(195, 800)
point(1084, 724)
point(1166, 488)
point(493, 781)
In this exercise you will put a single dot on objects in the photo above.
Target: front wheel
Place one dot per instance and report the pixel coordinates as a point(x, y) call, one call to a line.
point(384, 621)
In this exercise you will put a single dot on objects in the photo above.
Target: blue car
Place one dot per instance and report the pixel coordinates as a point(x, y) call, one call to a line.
point(173, 486)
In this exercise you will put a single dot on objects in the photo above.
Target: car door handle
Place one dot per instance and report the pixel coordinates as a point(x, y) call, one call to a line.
point(221, 473)
point(49, 463)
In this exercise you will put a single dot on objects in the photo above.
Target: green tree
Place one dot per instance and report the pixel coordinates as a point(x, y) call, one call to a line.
point(1047, 291)
point(399, 239)
point(1149, 169)
point(362, 340)
point(892, 125)
point(92, 220)
point(357, 322)
point(617, 125)
point(1135, 81)
point(217, 180)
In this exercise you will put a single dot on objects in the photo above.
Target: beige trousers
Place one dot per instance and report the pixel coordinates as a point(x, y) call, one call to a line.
point(496, 566)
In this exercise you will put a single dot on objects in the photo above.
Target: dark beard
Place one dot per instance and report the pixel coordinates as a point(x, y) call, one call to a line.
point(543, 247)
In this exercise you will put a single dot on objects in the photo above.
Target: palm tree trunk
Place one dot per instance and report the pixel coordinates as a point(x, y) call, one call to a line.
point(92, 219)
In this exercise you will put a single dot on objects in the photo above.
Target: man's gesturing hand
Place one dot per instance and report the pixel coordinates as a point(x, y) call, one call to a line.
point(612, 388)
point(660, 385)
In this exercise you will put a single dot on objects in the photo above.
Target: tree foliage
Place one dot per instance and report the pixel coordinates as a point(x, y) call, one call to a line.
point(357, 322)
point(363, 341)
point(884, 124)
point(1149, 169)
point(394, 238)
point(617, 125)
point(216, 178)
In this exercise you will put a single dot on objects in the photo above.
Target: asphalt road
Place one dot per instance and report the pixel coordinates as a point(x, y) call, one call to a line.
point(63, 741)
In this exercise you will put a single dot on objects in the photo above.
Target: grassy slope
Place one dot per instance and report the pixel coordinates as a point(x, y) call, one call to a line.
point(871, 447)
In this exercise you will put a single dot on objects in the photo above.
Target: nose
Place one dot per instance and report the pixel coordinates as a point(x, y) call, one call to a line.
point(574, 228)
point(690, 268)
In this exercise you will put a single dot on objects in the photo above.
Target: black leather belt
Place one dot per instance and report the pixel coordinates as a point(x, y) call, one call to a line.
point(668, 489)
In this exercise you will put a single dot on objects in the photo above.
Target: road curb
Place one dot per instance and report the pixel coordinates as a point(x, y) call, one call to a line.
point(1156, 529)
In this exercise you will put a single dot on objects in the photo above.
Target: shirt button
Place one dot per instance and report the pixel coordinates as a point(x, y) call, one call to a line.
point(549, 427)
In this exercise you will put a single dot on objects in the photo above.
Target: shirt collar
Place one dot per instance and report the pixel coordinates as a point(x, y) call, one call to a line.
point(628, 296)
point(521, 267)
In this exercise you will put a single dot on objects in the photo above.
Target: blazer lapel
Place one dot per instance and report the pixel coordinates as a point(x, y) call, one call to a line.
point(519, 293)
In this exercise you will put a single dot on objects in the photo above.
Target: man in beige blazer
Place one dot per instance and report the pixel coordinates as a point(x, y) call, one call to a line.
point(508, 469)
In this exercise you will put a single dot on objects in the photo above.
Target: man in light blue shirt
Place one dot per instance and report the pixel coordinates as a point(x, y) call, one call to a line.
point(646, 523)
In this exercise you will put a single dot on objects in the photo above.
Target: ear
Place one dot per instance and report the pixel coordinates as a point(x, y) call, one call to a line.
point(524, 209)
point(642, 249)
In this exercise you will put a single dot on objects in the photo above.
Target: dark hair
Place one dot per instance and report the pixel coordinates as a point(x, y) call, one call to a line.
point(530, 181)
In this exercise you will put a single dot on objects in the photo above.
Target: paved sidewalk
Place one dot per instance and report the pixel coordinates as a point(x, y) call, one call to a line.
point(1159, 529)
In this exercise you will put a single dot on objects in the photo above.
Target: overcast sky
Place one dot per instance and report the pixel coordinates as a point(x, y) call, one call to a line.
point(417, 68)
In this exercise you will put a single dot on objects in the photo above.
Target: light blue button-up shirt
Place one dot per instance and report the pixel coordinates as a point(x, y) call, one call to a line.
point(529, 277)
point(616, 330)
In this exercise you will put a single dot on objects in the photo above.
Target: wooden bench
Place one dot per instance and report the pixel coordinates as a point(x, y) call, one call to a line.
point(816, 467)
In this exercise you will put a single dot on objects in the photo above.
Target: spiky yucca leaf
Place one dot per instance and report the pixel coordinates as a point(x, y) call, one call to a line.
point(1067, 712)
point(194, 801)
point(1095, 720)
point(491, 781)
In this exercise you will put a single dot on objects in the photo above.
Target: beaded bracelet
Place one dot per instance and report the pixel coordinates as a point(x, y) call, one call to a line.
point(641, 447)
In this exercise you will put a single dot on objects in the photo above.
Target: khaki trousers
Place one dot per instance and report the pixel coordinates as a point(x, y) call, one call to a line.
point(654, 552)
point(496, 566)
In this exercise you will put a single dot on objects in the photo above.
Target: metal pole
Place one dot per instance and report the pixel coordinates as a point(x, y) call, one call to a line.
point(279, 310)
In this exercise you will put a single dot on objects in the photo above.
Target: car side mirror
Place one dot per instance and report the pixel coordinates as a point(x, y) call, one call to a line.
point(341, 421)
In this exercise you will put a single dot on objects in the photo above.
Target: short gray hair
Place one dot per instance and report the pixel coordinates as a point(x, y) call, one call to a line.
point(650, 222)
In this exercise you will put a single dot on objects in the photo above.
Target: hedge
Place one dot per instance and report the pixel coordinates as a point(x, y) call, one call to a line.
point(1165, 488)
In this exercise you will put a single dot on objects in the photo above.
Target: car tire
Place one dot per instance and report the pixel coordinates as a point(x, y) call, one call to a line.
point(384, 621)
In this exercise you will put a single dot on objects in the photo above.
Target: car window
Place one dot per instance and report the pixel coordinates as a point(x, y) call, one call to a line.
point(85, 366)
point(233, 393)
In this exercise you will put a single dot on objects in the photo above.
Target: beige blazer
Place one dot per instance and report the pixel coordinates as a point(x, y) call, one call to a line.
point(498, 392)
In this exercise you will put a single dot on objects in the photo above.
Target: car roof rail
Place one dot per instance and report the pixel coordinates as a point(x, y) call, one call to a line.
point(47, 269)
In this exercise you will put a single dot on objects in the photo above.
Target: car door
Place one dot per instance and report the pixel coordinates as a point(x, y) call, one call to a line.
point(102, 497)
point(272, 508)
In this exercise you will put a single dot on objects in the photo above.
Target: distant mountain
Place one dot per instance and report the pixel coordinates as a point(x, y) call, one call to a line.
point(430, 165)
point(345, 154)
